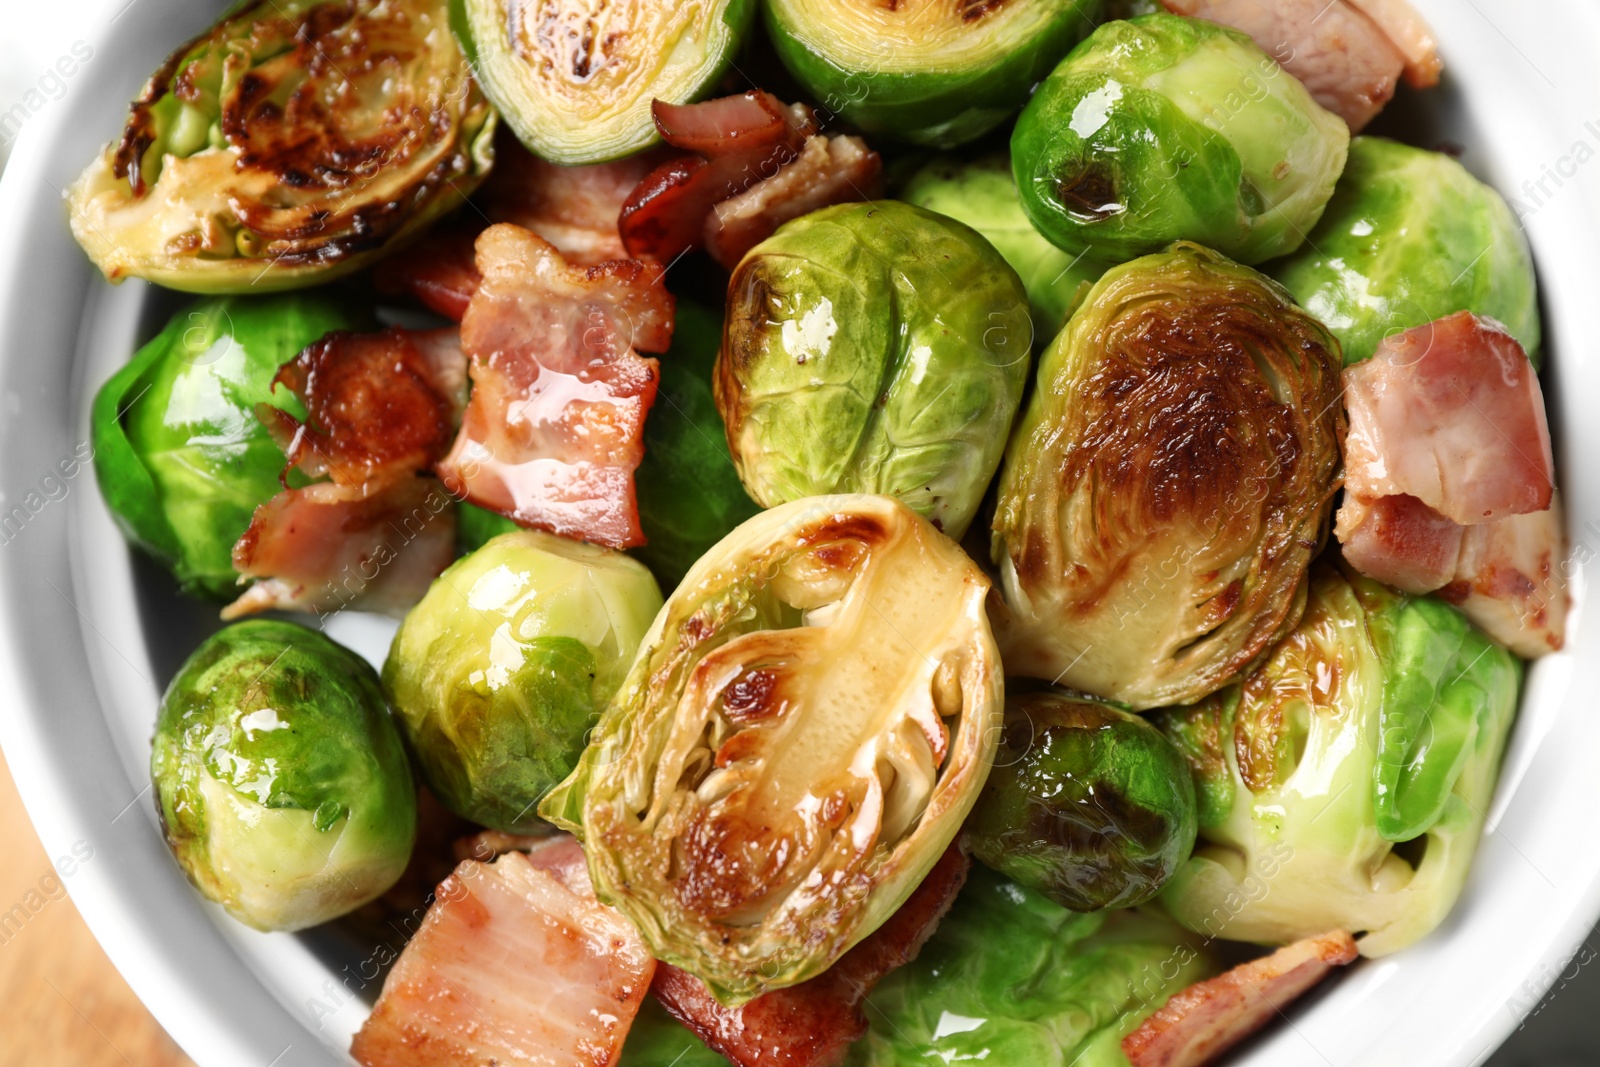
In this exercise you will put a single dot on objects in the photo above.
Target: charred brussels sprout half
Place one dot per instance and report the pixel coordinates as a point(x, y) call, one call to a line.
point(1011, 979)
point(927, 71)
point(1163, 128)
point(1409, 238)
point(1169, 482)
point(1087, 804)
point(279, 777)
point(499, 672)
point(1380, 719)
point(575, 79)
point(983, 194)
point(875, 348)
point(805, 727)
point(179, 454)
point(292, 142)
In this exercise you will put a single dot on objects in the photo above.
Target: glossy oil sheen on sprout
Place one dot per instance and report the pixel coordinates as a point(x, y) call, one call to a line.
point(500, 671)
point(1380, 719)
point(1161, 129)
point(805, 727)
point(1169, 482)
point(280, 779)
point(873, 348)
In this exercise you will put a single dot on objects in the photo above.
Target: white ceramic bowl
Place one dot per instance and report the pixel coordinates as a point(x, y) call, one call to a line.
point(88, 634)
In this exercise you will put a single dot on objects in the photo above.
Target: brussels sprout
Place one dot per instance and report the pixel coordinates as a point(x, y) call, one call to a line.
point(983, 194)
point(1409, 238)
point(1011, 979)
point(874, 348)
point(294, 141)
point(936, 74)
point(1380, 719)
point(1163, 128)
point(279, 777)
point(1169, 482)
point(1087, 804)
point(179, 454)
point(806, 725)
point(656, 1039)
point(499, 672)
point(689, 493)
point(575, 80)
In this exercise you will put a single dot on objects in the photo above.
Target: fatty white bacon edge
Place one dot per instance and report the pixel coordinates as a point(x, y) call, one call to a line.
point(1509, 580)
point(515, 963)
point(1205, 1020)
point(1348, 53)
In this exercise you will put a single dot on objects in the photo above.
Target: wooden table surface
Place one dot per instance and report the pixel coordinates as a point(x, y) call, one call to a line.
point(64, 1004)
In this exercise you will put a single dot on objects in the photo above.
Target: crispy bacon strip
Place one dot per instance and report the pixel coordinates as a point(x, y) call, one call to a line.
point(516, 962)
point(553, 432)
point(437, 272)
point(1509, 581)
point(1349, 53)
point(1205, 1020)
point(829, 170)
point(813, 1024)
point(731, 143)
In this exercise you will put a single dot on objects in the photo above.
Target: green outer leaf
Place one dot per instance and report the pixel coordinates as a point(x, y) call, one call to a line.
point(689, 493)
point(983, 194)
point(656, 1039)
point(1184, 130)
point(940, 105)
point(1203, 732)
point(476, 527)
point(179, 454)
point(287, 720)
point(1410, 237)
point(1013, 980)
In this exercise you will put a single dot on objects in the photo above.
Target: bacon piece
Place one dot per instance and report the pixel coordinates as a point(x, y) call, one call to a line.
point(1452, 414)
point(1348, 53)
point(1399, 541)
point(487, 844)
point(1509, 581)
point(376, 546)
point(829, 170)
point(553, 432)
point(437, 272)
point(733, 141)
point(1201, 1022)
point(516, 962)
point(813, 1024)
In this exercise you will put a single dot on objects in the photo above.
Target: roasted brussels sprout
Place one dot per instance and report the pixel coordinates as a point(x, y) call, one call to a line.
point(874, 348)
point(689, 493)
point(1169, 482)
point(929, 72)
point(279, 777)
point(501, 670)
point(294, 141)
point(1163, 128)
point(575, 80)
point(1380, 719)
point(179, 454)
point(1087, 804)
point(983, 194)
point(1408, 238)
point(1011, 979)
point(806, 725)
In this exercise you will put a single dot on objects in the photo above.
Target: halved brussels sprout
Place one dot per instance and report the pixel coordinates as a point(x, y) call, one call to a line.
point(874, 348)
point(1408, 238)
point(689, 493)
point(1169, 482)
point(1380, 719)
point(926, 71)
point(1162, 129)
point(1011, 979)
point(807, 723)
point(575, 79)
point(983, 194)
point(179, 454)
point(500, 671)
point(1087, 804)
point(279, 777)
point(294, 141)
